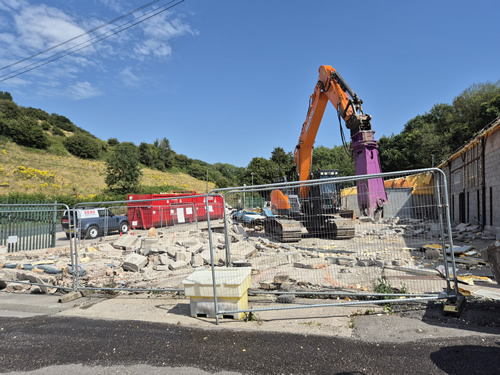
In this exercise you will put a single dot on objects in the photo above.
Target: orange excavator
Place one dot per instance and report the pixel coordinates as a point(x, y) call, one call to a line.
point(316, 209)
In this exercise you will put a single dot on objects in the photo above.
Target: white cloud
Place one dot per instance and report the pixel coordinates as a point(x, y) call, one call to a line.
point(11, 4)
point(113, 4)
point(152, 47)
point(40, 27)
point(83, 90)
point(158, 32)
point(165, 28)
point(27, 28)
point(128, 77)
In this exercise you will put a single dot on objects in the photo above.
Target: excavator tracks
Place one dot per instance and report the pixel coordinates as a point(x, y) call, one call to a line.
point(290, 230)
point(284, 230)
point(340, 228)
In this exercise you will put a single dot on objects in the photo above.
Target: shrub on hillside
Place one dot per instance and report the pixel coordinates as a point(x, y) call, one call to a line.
point(9, 110)
point(82, 146)
point(5, 95)
point(58, 131)
point(113, 141)
point(45, 125)
point(62, 122)
point(36, 113)
point(25, 132)
point(57, 147)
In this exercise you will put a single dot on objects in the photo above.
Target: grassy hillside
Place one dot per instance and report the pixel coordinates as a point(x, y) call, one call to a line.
point(28, 170)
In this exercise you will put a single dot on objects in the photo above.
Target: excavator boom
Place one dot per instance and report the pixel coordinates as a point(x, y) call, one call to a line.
point(332, 88)
point(314, 209)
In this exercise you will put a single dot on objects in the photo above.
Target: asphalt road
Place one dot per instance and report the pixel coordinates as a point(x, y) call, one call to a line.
point(74, 344)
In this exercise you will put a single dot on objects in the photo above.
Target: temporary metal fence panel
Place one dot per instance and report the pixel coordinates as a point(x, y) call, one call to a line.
point(400, 255)
point(399, 203)
point(31, 259)
point(27, 226)
point(163, 244)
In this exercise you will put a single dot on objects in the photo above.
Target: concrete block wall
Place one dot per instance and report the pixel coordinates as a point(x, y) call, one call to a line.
point(492, 173)
point(474, 201)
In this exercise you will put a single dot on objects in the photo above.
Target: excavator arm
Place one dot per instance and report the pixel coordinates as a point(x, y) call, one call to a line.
point(332, 88)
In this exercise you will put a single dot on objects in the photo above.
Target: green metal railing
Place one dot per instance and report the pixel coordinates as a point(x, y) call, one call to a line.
point(27, 225)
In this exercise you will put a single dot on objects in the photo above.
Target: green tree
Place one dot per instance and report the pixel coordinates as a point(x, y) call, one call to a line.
point(283, 160)
point(182, 162)
point(491, 109)
point(197, 171)
point(148, 154)
point(222, 182)
point(264, 172)
point(469, 116)
point(233, 174)
point(165, 153)
point(5, 95)
point(83, 146)
point(122, 168)
point(333, 158)
point(113, 142)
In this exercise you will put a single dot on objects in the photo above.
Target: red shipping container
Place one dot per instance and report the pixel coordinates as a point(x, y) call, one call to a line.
point(171, 209)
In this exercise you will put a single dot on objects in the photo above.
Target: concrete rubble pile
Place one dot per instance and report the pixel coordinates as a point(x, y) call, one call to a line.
point(162, 259)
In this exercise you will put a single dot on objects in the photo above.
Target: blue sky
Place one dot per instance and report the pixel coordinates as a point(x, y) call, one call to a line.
point(227, 80)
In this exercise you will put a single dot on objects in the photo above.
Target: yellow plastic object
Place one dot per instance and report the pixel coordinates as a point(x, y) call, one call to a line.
point(232, 285)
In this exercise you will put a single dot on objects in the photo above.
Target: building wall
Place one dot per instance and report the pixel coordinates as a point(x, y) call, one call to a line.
point(474, 195)
point(492, 178)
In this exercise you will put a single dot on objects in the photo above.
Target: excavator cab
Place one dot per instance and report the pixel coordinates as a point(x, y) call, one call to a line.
point(325, 197)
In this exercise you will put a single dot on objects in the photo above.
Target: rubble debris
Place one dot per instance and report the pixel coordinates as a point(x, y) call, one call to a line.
point(418, 270)
point(127, 242)
point(487, 293)
point(134, 262)
point(178, 265)
point(285, 298)
point(492, 255)
point(163, 259)
point(469, 279)
point(313, 263)
point(70, 297)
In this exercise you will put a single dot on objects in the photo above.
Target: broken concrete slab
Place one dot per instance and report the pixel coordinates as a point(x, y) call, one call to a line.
point(106, 247)
point(294, 256)
point(487, 293)
point(313, 263)
point(162, 267)
point(265, 261)
point(365, 262)
point(128, 242)
point(164, 259)
point(134, 262)
point(197, 261)
point(178, 265)
point(183, 256)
